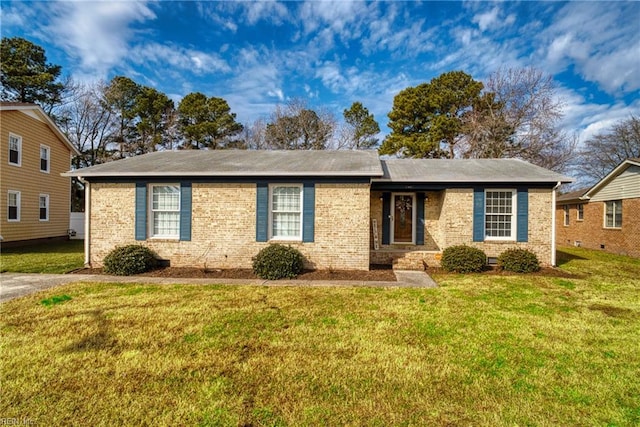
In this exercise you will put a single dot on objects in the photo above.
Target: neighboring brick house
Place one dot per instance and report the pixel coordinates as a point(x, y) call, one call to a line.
point(342, 209)
point(606, 216)
point(34, 197)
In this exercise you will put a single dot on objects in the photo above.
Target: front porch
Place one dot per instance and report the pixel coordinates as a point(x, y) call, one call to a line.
point(406, 228)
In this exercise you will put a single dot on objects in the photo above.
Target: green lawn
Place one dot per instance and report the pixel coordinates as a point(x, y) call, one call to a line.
point(57, 257)
point(479, 350)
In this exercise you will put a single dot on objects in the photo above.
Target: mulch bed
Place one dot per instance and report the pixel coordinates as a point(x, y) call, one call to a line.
point(375, 274)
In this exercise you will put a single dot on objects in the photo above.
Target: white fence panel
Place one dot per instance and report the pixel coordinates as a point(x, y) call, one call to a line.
point(76, 223)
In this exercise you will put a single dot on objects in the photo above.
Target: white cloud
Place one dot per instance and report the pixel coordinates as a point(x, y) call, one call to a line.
point(270, 11)
point(277, 94)
point(586, 118)
point(97, 34)
point(15, 16)
point(211, 12)
point(178, 57)
point(331, 76)
point(600, 40)
point(256, 85)
point(488, 19)
point(399, 39)
point(337, 16)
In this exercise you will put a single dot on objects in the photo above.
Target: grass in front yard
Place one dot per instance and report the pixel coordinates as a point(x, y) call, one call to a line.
point(55, 257)
point(479, 350)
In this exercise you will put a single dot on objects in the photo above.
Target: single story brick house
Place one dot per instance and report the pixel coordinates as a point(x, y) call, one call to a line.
point(342, 209)
point(605, 216)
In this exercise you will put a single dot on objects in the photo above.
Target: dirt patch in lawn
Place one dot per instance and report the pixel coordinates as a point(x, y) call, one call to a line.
point(376, 273)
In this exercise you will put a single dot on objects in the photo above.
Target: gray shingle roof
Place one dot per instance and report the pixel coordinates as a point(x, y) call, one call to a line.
point(466, 170)
point(238, 163)
point(572, 196)
point(296, 163)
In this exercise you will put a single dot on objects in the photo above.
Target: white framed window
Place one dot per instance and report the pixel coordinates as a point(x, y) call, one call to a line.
point(285, 211)
point(566, 214)
point(13, 206)
point(500, 213)
point(45, 161)
point(164, 211)
point(44, 207)
point(613, 214)
point(580, 214)
point(15, 149)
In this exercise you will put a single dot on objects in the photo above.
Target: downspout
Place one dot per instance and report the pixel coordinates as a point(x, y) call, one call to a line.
point(87, 222)
point(553, 224)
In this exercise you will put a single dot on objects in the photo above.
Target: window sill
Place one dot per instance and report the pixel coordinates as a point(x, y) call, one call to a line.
point(613, 228)
point(500, 240)
point(164, 239)
point(282, 240)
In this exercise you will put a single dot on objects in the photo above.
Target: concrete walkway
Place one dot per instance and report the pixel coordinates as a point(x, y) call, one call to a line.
point(15, 285)
point(414, 279)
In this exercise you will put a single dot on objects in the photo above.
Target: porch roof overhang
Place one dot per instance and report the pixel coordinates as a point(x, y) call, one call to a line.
point(439, 186)
point(439, 174)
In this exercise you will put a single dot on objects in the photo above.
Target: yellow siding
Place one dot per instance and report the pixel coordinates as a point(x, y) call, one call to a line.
point(31, 182)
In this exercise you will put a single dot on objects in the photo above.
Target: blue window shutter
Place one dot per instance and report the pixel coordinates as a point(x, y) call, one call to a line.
point(141, 211)
point(478, 214)
point(262, 211)
point(185, 211)
point(523, 215)
point(308, 211)
point(386, 221)
point(420, 218)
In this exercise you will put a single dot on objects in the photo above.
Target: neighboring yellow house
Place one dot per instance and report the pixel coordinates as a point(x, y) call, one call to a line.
point(34, 197)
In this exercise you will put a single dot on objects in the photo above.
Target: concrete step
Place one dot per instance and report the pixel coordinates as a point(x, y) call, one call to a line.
point(409, 261)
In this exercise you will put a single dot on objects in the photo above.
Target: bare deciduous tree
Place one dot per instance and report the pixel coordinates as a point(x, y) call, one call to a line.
point(254, 135)
point(606, 150)
point(518, 116)
point(89, 124)
point(295, 126)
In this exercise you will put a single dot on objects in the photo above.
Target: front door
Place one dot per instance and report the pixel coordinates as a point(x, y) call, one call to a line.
point(403, 218)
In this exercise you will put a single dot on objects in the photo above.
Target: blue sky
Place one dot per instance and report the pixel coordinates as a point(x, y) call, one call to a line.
point(257, 55)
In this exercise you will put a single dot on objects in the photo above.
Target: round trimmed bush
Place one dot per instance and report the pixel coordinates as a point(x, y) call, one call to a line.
point(128, 260)
point(463, 259)
point(277, 261)
point(518, 261)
